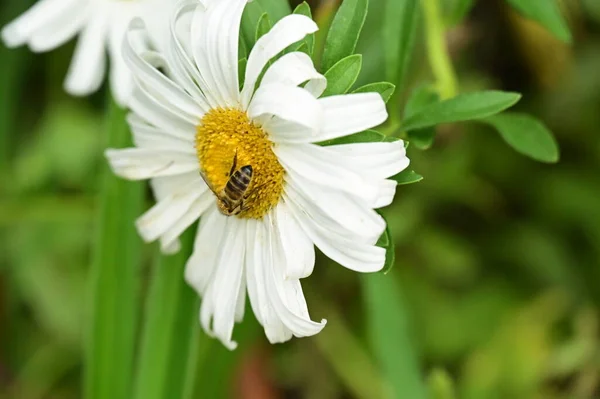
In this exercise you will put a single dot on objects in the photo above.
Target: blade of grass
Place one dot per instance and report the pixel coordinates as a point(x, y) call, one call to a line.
point(171, 327)
point(389, 336)
point(114, 279)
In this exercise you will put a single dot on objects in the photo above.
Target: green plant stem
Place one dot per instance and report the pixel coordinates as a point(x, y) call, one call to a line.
point(114, 279)
point(166, 366)
point(437, 51)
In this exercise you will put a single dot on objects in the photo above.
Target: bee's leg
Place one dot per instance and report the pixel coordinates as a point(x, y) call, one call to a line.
point(234, 163)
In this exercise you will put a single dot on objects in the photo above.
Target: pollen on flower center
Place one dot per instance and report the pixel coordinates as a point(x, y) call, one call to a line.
point(227, 134)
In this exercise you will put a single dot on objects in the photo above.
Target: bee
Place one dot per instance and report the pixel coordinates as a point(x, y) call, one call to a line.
point(230, 200)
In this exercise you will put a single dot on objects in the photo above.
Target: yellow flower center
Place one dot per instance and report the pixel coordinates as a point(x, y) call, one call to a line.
point(226, 136)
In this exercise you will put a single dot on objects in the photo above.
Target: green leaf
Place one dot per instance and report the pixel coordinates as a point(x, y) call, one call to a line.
point(263, 26)
point(399, 28)
point(407, 176)
point(253, 12)
point(242, 71)
point(389, 336)
point(304, 9)
point(463, 107)
point(386, 242)
point(170, 331)
point(547, 13)
point(114, 279)
point(386, 89)
point(368, 136)
point(440, 385)
point(344, 32)
point(527, 135)
point(421, 97)
point(342, 75)
point(458, 11)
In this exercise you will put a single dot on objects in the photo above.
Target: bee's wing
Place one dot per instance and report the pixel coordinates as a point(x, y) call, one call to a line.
point(208, 183)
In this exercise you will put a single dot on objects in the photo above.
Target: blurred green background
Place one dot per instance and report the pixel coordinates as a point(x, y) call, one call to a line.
point(497, 256)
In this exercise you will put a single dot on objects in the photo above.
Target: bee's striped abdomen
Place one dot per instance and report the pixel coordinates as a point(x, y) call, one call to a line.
point(238, 184)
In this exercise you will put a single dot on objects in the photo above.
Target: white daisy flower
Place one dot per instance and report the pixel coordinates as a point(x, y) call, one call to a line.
point(100, 24)
point(244, 162)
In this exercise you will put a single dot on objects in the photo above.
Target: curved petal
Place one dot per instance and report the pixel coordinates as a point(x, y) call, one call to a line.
point(287, 31)
point(293, 69)
point(286, 295)
point(357, 218)
point(326, 168)
point(144, 69)
point(349, 253)
point(298, 249)
point(215, 37)
point(151, 137)
point(163, 186)
point(375, 160)
point(256, 261)
point(161, 217)
point(89, 61)
point(288, 103)
point(58, 31)
point(40, 15)
point(142, 163)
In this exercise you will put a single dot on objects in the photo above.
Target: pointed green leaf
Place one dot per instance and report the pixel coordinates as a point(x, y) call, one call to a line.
point(386, 242)
point(263, 26)
point(342, 75)
point(344, 32)
point(407, 176)
point(399, 29)
point(547, 13)
point(421, 97)
point(170, 330)
point(463, 107)
point(276, 9)
point(440, 385)
point(527, 135)
point(368, 136)
point(389, 336)
point(242, 71)
point(386, 89)
point(304, 9)
point(114, 278)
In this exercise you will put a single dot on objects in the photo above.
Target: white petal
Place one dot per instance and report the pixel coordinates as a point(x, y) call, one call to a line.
point(326, 168)
point(287, 31)
point(149, 109)
point(347, 252)
point(257, 259)
point(375, 160)
point(225, 284)
point(348, 213)
point(289, 103)
point(165, 185)
point(386, 192)
point(286, 296)
point(43, 13)
point(193, 212)
point(207, 247)
point(58, 31)
point(166, 90)
point(350, 113)
point(298, 249)
point(141, 163)
point(89, 61)
point(162, 216)
point(151, 137)
point(215, 37)
point(296, 68)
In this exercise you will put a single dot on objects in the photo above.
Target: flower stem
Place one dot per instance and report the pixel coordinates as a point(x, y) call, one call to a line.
point(114, 279)
point(437, 51)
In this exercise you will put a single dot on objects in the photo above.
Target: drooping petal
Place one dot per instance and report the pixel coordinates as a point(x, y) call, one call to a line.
point(59, 30)
point(287, 31)
point(142, 163)
point(348, 252)
point(89, 60)
point(298, 249)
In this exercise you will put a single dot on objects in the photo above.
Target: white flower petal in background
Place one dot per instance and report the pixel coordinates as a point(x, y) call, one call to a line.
point(195, 132)
point(100, 26)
